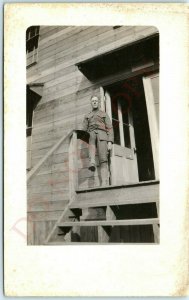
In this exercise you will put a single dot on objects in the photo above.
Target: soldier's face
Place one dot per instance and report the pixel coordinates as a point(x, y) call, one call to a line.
point(94, 102)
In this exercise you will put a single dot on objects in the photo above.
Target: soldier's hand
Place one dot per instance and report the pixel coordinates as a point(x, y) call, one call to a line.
point(109, 146)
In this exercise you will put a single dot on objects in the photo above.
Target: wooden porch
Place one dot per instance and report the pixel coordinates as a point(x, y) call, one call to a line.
point(112, 214)
point(109, 214)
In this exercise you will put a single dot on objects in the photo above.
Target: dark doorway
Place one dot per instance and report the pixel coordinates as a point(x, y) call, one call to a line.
point(142, 132)
point(131, 96)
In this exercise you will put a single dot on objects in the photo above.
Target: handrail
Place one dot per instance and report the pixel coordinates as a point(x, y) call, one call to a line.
point(50, 152)
point(73, 182)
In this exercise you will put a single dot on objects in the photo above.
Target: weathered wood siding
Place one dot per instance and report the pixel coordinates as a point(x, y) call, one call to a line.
point(64, 102)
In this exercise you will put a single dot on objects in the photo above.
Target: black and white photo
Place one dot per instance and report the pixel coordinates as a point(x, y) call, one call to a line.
point(92, 134)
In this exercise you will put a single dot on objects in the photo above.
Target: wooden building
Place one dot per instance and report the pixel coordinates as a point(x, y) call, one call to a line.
point(65, 66)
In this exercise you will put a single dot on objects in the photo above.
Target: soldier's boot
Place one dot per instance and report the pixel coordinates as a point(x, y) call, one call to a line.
point(104, 174)
point(92, 167)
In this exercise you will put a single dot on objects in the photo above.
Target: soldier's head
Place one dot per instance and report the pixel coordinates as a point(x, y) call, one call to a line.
point(94, 102)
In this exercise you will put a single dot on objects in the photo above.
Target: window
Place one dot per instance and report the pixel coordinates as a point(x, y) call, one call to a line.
point(32, 38)
point(32, 99)
point(120, 115)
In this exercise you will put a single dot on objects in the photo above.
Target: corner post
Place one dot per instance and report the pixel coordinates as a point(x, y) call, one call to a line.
point(73, 167)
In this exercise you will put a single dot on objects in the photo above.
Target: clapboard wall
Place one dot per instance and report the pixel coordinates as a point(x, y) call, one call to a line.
point(64, 102)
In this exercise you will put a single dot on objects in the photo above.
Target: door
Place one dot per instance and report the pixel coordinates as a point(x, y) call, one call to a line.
point(151, 89)
point(123, 160)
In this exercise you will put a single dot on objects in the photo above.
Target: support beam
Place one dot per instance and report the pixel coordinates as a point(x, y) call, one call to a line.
point(129, 222)
point(103, 234)
point(132, 194)
point(110, 214)
point(156, 233)
point(120, 118)
point(73, 167)
point(102, 100)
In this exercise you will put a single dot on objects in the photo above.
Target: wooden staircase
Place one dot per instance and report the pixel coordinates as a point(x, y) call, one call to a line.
point(104, 214)
point(100, 215)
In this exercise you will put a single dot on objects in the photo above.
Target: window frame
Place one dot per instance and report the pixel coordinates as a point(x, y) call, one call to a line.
point(106, 105)
point(32, 56)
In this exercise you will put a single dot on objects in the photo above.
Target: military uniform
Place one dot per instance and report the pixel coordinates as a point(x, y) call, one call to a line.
point(97, 123)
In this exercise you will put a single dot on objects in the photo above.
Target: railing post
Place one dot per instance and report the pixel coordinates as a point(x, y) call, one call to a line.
point(73, 166)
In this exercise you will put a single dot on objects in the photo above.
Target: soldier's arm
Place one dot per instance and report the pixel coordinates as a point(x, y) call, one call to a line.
point(109, 129)
point(85, 124)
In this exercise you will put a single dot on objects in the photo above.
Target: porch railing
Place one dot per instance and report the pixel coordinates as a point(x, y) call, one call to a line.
point(72, 162)
point(48, 154)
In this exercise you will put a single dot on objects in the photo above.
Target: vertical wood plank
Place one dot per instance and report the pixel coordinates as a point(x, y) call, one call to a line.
point(112, 162)
point(30, 233)
point(131, 129)
point(110, 214)
point(157, 207)
point(73, 167)
point(133, 174)
point(28, 167)
point(120, 118)
point(102, 99)
point(156, 233)
point(75, 160)
point(108, 105)
point(103, 236)
point(152, 122)
point(112, 168)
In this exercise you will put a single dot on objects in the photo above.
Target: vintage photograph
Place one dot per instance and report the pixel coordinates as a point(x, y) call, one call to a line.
point(92, 116)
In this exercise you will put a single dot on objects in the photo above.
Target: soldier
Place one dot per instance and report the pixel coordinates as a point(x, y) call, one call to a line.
point(97, 123)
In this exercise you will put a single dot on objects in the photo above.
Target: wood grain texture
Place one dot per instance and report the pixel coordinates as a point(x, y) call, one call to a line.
point(44, 216)
point(156, 232)
point(72, 41)
point(90, 51)
point(111, 223)
point(121, 195)
point(38, 230)
point(97, 37)
point(103, 235)
point(64, 103)
point(48, 196)
point(47, 206)
point(30, 232)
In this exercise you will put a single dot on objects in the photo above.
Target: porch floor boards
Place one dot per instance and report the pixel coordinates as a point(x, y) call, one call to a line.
point(109, 187)
point(133, 193)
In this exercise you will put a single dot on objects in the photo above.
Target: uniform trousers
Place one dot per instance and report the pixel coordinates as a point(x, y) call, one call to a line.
point(102, 148)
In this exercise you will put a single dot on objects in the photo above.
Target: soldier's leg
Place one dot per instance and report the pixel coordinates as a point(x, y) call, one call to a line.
point(103, 160)
point(92, 151)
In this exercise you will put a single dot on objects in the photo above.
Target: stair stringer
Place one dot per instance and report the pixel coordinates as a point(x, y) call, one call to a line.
point(64, 217)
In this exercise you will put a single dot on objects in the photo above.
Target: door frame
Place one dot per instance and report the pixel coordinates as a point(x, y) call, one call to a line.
point(152, 119)
point(145, 74)
point(106, 106)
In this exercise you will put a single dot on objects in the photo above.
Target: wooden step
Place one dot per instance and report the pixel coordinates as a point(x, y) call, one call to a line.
point(104, 203)
point(110, 223)
point(109, 187)
point(146, 192)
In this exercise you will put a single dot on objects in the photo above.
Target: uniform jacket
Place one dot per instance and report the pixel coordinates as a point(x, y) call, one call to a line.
point(100, 122)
